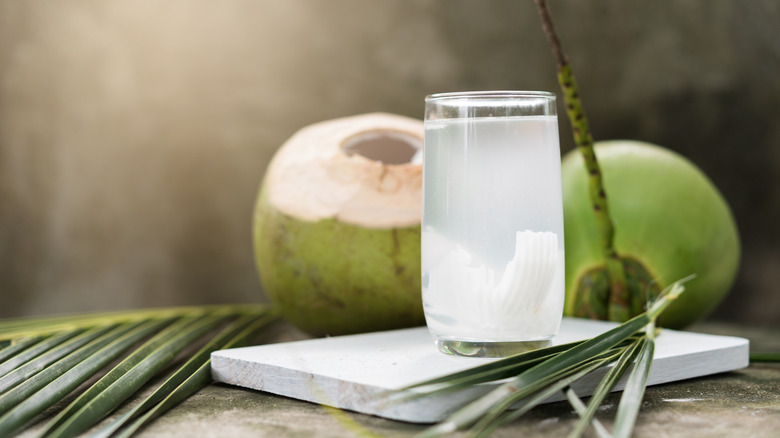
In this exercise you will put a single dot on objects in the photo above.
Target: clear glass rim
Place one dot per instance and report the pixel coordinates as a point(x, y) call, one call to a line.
point(497, 94)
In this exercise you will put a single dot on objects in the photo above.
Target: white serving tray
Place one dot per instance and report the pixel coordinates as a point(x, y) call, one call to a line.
point(352, 372)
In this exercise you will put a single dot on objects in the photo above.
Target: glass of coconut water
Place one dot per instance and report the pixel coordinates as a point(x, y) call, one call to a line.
point(492, 226)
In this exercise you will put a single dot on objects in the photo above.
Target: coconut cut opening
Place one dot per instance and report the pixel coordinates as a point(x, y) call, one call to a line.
point(388, 147)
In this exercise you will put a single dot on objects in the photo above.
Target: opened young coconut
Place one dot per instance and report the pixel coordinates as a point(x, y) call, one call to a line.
point(337, 225)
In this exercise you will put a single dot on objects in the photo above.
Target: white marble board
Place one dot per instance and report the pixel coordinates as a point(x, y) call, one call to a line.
point(350, 372)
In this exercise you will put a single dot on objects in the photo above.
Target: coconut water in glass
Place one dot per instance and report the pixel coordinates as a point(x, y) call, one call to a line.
point(492, 226)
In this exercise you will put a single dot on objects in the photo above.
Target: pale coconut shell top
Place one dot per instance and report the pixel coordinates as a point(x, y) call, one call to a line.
point(357, 170)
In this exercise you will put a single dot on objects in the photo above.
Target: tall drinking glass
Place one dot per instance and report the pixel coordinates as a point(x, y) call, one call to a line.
point(492, 226)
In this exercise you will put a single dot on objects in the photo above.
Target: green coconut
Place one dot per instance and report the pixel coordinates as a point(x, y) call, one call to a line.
point(671, 222)
point(337, 226)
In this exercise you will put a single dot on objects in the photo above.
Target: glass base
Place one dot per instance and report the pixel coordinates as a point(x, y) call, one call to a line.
point(489, 349)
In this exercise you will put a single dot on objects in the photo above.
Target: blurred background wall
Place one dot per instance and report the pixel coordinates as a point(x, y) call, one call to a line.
point(134, 134)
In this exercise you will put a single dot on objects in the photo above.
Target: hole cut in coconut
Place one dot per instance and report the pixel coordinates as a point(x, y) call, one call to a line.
point(387, 147)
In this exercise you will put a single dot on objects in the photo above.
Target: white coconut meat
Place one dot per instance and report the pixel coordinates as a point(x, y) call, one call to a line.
point(363, 170)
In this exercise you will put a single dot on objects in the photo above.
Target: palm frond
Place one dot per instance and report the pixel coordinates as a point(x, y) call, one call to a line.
point(580, 408)
point(61, 381)
point(46, 359)
point(551, 370)
point(35, 350)
point(492, 371)
point(501, 414)
point(189, 379)
point(605, 387)
point(17, 345)
point(33, 367)
point(128, 376)
point(631, 400)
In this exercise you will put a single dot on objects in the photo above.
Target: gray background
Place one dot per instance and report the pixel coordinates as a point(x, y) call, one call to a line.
point(134, 135)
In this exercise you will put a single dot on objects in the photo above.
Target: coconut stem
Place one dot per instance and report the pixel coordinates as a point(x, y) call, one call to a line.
point(618, 297)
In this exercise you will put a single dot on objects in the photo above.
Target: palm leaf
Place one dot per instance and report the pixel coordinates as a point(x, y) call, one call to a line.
point(46, 359)
point(35, 350)
point(631, 400)
point(16, 328)
point(580, 408)
point(605, 386)
point(494, 370)
point(128, 376)
point(504, 395)
point(523, 404)
point(29, 387)
point(19, 345)
point(558, 370)
point(68, 380)
point(193, 380)
point(33, 367)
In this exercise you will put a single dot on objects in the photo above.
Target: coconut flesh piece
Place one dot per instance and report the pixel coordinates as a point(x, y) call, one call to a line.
point(520, 301)
point(357, 170)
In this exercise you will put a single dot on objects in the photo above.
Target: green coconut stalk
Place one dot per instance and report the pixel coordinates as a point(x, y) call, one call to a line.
point(619, 302)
